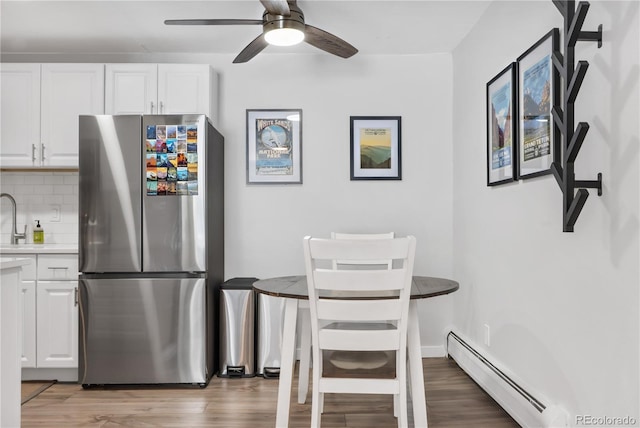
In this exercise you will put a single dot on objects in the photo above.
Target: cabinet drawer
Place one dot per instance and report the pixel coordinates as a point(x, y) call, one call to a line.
point(28, 271)
point(57, 267)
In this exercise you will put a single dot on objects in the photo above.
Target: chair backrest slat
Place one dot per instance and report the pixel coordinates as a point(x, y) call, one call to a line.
point(358, 250)
point(359, 280)
point(360, 310)
point(346, 264)
point(366, 236)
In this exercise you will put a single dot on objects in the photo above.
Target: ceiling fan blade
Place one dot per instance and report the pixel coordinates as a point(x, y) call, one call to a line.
point(252, 49)
point(328, 42)
point(276, 7)
point(213, 22)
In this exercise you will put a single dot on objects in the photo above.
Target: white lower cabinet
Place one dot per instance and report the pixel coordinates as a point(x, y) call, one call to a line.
point(57, 324)
point(50, 317)
point(28, 303)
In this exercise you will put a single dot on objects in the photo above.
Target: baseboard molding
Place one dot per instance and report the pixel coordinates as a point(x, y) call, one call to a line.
point(528, 408)
point(433, 351)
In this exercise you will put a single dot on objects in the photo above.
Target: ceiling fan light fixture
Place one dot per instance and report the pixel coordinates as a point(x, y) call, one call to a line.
point(284, 36)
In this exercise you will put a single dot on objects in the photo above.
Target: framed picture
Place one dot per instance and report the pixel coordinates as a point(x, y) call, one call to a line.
point(538, 92)
point(274, 146)
point(375, 148)
point(501, 127)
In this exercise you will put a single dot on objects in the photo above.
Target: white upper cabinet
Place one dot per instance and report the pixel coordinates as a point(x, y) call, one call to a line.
point(131, 89)
point(68, 90)
point(160, 89)
point(40, 108)
point(19, 115)
point(186, 88)
point(41, 103)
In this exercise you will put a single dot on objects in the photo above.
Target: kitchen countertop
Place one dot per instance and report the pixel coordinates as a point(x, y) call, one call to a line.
point(7, 263)
point(6, 249)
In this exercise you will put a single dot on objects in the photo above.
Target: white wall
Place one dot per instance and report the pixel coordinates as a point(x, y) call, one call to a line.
point(562, 307)
point(264, 225)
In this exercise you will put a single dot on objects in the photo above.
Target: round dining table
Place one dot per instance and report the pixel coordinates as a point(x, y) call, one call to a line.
point(294, 290)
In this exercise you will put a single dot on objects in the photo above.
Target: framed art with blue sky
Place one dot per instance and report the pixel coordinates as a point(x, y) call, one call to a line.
point(538, 93)
point(501, 127)
point(274, 146)
point(376, 148)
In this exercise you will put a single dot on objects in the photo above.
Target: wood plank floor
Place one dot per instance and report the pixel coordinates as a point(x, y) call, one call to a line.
point(453, 400)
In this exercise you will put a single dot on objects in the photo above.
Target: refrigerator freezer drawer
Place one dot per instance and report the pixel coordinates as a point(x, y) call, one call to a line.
point(144, 331)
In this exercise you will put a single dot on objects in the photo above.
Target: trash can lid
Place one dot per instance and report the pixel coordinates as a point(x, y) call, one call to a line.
point(239, 283)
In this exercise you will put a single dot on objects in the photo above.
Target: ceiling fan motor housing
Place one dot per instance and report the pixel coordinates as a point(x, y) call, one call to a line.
point(294, 20)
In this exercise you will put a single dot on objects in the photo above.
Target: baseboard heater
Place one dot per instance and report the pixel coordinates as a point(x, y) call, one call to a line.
point(522, 405)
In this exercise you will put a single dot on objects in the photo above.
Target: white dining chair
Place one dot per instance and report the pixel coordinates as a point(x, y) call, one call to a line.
point(337, 357)
point(361, 311)
point(374, 360)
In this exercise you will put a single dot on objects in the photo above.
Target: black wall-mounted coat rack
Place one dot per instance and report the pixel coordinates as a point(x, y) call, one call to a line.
point(563, 115)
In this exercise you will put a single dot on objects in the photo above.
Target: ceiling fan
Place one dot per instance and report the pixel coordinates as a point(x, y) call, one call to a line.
point(283, 25)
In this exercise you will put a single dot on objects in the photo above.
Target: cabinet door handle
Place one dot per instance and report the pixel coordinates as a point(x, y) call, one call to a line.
point(42, 156)
point(33, 153)
point(161, 107)
point(75, 296)
point(152, 107)
point(58, 267)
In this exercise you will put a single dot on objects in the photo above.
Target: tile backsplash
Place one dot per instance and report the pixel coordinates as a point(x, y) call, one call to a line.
point(51, 197)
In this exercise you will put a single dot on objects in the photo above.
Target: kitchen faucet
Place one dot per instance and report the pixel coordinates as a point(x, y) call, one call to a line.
point(15, 236)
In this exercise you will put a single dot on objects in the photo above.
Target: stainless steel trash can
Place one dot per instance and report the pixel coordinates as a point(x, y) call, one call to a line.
point(237, 328)
point(270, 320)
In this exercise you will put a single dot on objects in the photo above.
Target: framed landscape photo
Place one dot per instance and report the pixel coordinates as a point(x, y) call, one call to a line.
point(375, 148)
point(538, 92)
point(274, 146)
point(501, 127)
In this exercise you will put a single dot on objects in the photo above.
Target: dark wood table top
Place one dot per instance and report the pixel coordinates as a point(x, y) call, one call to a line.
point(295, 287)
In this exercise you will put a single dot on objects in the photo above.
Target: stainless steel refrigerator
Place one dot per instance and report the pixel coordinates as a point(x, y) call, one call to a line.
point(151, 249)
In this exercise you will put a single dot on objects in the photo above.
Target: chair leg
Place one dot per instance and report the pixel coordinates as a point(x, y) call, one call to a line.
point(305, 354)
point(402, 404)
point(401, 397)
point(415, 363)
point(286, 364)
point(317, 397)
point(320, 368)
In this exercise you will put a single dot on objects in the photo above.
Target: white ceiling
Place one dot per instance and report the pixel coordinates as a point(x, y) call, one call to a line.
point(115, 26)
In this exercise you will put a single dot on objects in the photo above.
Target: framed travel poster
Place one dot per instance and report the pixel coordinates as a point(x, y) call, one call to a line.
point(538, 92)
point(274, 146)
point(501, 127)
point(375, 148)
